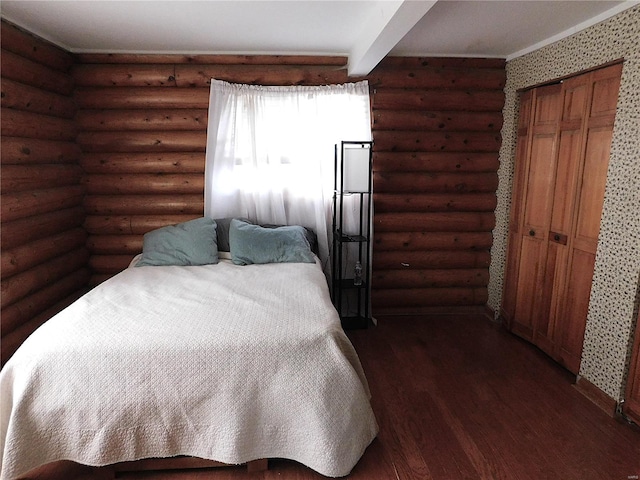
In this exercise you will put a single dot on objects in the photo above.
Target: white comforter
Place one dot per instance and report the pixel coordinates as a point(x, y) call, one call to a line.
point(220, 362)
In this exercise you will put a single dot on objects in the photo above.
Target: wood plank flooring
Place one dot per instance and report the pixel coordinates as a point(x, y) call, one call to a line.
point(457, 397)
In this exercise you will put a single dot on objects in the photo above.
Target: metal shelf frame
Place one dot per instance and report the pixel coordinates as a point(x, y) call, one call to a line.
point(352, 301)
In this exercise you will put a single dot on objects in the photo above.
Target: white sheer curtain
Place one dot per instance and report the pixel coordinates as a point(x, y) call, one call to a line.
point(270, 151)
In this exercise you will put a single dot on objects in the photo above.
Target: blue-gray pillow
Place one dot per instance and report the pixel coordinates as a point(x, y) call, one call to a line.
point(256, 244)
point(189, 243)
point(309, 234)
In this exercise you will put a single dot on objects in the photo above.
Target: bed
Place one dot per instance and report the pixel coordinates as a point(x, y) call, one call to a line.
point(222, 361)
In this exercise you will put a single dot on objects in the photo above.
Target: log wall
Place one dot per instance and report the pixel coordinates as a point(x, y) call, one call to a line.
point(142, 130)
point(44, 260)
point(436, 128)
point(99, 149)
point(142, 123)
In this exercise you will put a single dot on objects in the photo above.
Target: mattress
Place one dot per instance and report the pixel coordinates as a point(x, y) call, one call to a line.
point(222, 362)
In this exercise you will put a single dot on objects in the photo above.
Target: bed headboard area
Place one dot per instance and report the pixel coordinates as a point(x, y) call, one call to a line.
point(203, 240)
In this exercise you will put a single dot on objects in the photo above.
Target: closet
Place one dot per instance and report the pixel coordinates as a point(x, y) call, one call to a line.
point(562, 155)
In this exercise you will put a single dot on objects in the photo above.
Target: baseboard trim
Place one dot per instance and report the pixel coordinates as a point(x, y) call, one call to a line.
point(597, 396)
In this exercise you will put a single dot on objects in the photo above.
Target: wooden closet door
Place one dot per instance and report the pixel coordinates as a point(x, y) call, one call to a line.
point(601, 99)
point(561, 169)
point(531, 214)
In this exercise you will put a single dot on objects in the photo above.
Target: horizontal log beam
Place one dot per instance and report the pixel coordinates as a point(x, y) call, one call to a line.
point(21, 317)
point(115, 244)
point(393, 62)
point(434, 162)
point(130, 225)
point(17, 41)
point(19, 150)
point(17, 123)
point(430, 278)
point(418, 241)
point(435, 182)
point(456, 121)
point(392, 313)
point(128, 141)
point(165, 162)
point(109, 264)
point(20, 69)
point(19, 96)
point(25, 230)
point(30, 281)
point(97, 278)
point(23, 257)
point(428, 297)
point(14, 206)
point(144, 204)
point(115, 120)
point(434, 100)
point(174, 184)
point(141, 98)
point(20, 178)
point(207, 59)
point(438, 78)
point(438, 259)
point(114, 75)
point(434, 222)
point(428, 141)
point(201, 75)
point(460, 202)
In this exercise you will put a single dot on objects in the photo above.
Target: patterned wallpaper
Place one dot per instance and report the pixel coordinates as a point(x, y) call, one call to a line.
point(615, 290)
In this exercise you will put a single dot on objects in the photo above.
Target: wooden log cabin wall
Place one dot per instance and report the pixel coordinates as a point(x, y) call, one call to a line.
point(436, 123)
point(142, 124)
point(139, 124)
point(436, 130)
point(44, 257)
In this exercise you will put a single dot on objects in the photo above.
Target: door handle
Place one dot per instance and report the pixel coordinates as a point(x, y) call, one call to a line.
point(532, 233)
point(558, 238)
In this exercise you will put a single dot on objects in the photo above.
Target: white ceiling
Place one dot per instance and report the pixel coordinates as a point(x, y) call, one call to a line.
point(363, 30)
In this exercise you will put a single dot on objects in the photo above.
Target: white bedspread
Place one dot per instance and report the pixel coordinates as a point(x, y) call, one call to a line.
point(220, 362)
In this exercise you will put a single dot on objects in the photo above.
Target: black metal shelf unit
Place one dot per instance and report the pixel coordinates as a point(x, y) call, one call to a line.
point(352, 198)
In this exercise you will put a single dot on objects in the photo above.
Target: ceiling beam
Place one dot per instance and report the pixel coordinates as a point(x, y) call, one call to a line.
point(390, 23)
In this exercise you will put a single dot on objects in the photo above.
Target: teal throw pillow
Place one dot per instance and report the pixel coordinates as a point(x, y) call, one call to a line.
point(189, 243)
point(254, 244)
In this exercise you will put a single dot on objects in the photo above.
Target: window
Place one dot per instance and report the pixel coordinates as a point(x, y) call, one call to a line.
point(270, 151)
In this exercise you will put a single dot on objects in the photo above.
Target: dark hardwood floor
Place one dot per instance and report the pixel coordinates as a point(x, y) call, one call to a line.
point(457, 397)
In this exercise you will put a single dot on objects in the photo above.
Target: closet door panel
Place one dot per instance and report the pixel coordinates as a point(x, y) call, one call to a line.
point(575, 309)
point(558, 237)
point(528, 294)
point(576, 91)
point(592, 187)
point(606, 84)
point(530, 223)
point(542, 161)
point(546, 105)
point(541, 174)
point(562, 213)
point(516, 214)
point(544, 335)
point(534, 232)
point(565, 181)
